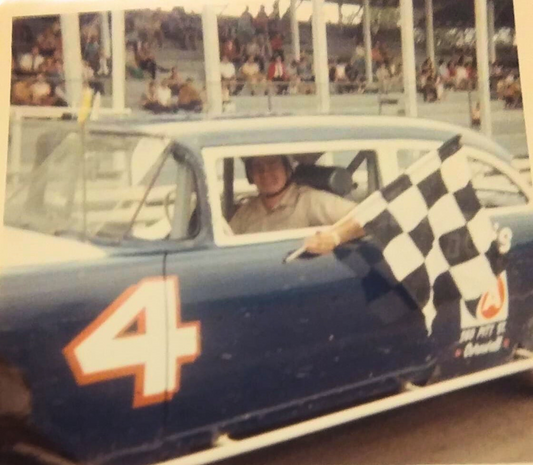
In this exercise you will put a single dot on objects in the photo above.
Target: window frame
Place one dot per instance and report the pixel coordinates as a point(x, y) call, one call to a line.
point(211, 155)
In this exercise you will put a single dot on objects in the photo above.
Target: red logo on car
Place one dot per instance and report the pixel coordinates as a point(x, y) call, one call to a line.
point(492, 302)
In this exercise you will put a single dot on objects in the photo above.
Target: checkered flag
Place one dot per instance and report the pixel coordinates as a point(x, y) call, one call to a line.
point(434, 235)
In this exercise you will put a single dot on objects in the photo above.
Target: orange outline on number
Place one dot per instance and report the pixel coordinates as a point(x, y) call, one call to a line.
point(137, 371)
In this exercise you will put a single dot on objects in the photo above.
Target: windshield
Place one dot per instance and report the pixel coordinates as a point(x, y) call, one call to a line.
point(89, 185)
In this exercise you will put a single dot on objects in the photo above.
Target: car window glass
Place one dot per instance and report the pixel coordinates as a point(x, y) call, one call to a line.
point(309, 169)
point(493, 187)
point(104, 186)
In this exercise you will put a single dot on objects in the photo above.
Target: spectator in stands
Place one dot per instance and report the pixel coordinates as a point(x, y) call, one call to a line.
point(513, 95)
point(430, 90)
point(21, 34)
point(358, 58)
point(305, 68)
point(384, 78)
point(444, 73)
point(103, 66)
point(274, 20)
point(251, 48)
point(146, 59)
point(292, 68)
point(30, 63)
point(277, 73)
point(500, 88)
point(360, 84)
point(229, 50)
point(461, 75)
point(164, 95)
point(252, 76)
point(277, 45)
point(48, 67)
point(41, 91)
point(132, 67)
point(265, 52)
point(88, 75)
point(340, 77)
point(174, 81)
point(377, 55)
point(439, 85)
point(496, 69)
point(510, 78)
point(228, 74)
point(295, 85)
point(150, 99)
point(245, 27)
point(452, 71)
point(189, 98)
point(48, 42)
point(89, 30)
point(21, 92)
point(422, 80)
point(91, 53)
point(427, 66)
point(261, 21)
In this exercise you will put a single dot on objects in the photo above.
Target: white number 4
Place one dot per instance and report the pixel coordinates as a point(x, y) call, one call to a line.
point(140, 334)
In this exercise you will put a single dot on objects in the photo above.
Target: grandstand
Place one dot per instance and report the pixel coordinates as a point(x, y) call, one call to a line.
point(508, 124)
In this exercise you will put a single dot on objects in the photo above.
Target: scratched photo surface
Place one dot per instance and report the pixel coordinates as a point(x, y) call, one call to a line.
point(228, 224)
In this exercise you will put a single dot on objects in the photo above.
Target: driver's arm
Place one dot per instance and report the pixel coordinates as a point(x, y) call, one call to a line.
point(343, 231)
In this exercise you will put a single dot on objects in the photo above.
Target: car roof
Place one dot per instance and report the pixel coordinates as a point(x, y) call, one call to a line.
point(203, 131)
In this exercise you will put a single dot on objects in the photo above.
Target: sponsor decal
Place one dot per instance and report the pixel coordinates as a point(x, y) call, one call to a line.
point(485, 333)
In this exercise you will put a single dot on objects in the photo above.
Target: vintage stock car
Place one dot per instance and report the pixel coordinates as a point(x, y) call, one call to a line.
point(136, 328)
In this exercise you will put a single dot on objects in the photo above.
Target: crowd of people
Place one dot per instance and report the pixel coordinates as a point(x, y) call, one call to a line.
point(37, 66)
point(147, 32)
point(254, 58)
point(38, 76)
point(460, 73)
point(506, 84)
point(172, 94)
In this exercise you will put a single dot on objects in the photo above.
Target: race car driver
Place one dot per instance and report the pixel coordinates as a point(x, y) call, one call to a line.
point(284, 204)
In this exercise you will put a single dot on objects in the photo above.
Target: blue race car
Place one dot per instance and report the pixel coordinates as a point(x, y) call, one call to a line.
point(137, 327)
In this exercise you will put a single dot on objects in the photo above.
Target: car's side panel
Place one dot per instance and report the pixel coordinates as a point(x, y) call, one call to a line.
point(42, 311)
point(279, 338)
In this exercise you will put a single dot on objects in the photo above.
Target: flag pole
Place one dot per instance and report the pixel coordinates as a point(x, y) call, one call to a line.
point(84, 111)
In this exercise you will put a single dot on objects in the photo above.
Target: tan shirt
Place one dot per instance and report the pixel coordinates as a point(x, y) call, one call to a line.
point(300, 207)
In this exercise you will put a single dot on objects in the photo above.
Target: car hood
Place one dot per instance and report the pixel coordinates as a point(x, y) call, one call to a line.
point(28, 248)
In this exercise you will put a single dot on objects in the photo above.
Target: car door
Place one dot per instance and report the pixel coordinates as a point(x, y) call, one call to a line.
point(281, 341)
point(491, 334)
point(77, 320)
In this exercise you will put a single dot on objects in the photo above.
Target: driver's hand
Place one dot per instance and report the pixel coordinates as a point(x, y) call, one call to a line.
point(323, 242)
